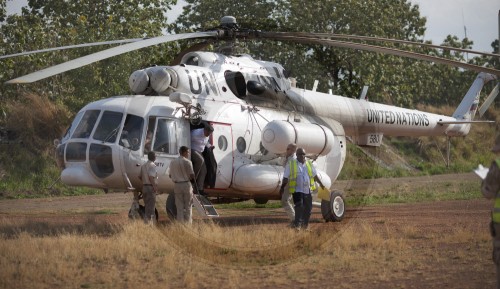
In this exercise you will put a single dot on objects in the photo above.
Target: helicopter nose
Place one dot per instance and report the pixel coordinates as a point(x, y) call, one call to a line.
point(78, 175)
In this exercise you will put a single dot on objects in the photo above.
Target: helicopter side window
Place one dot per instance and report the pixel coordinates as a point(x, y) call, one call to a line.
point(236, 82)
point(108, 126)
point(165, 140)
point(86, 125)
point(132, 132)
point(149, 134)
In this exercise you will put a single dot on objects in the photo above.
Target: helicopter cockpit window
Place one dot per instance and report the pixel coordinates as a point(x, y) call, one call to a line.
point(132, 132)
point(108, 126)
point(165, 140)
point(236, 82)
point(72, 127)
point(84, 128)
point(193, 60)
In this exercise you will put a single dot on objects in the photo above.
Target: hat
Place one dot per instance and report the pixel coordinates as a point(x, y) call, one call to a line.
point(496, 147)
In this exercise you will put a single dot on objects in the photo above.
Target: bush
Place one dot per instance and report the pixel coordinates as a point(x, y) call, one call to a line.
point(37, 121)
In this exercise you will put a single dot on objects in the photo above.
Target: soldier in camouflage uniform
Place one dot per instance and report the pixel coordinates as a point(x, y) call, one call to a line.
point(490, 189)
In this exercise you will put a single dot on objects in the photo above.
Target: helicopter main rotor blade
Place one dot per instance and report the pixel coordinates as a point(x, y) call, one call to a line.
point(73, 46)
point(380, 39)
point(379, 49)
point(91, 58)
point(489, 100)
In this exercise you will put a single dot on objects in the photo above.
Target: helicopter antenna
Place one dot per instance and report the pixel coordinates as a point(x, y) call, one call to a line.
point(465, 32)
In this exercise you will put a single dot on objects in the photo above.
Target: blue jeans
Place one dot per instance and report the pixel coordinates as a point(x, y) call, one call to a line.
point(303, 208)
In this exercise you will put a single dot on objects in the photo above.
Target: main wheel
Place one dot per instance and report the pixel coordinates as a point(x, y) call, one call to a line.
point(260, 201)
point(142, 211)
point(170, 207)
point(334, 209)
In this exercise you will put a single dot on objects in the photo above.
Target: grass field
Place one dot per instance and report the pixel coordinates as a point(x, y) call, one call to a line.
point(422, 244)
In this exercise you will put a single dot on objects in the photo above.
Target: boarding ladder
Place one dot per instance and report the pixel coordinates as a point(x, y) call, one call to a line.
point(204, 206)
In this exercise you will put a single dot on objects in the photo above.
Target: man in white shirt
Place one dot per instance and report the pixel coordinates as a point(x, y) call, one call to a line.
point(286, 197)
point(300, 175)
point(181, 172)
point(199, 140)
point(148, 177)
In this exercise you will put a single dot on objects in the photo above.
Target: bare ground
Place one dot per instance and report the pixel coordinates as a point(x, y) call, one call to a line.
point(438, 261)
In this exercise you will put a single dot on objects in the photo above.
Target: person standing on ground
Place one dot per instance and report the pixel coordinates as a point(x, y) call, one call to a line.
point(181, 173)
point(148, 177)
point(300, 175)
point(199, 140)
point(491, 190)
point(286, 197)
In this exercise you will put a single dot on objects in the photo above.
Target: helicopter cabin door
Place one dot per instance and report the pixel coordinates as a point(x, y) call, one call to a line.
point(222, 140)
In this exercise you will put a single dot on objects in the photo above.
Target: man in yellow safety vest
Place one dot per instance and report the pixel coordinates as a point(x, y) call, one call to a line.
point(491, 190)
point(301, 177)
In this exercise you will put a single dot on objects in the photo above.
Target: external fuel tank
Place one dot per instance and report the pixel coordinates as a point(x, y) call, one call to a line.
point(315, 139)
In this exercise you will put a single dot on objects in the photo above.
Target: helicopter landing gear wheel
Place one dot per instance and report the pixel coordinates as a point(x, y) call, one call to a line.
point(334, 209)
point(142, 211)
point(170, 207)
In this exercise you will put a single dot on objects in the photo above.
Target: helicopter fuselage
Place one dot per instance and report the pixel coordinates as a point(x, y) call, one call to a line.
point(255, 113)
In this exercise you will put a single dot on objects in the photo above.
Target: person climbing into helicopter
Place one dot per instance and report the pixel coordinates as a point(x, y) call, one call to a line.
point(200, 142)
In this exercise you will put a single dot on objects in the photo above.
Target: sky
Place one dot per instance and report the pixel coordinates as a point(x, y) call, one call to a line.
point(444, 17)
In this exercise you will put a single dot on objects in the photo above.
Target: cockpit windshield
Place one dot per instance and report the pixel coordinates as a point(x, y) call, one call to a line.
point(86, 125)
point(72, 127)
point(108, 127)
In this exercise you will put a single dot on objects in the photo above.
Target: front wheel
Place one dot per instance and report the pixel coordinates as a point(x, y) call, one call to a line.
point(334, 209)
point(170, 207)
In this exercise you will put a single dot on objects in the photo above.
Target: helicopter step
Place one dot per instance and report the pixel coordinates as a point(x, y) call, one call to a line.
point(204, 206)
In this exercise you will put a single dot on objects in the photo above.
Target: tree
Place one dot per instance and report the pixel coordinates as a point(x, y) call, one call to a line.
point(3, 11)
point(45, 24)
point(392, 79)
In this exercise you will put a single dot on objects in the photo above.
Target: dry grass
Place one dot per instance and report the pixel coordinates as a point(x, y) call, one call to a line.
point(37, 120)
point(207, 255)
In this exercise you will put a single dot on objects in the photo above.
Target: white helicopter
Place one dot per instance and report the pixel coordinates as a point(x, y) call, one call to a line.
point(255, 111)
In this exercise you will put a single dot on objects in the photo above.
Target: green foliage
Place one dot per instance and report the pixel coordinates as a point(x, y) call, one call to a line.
point(344, 71)
point(28, 174)
point(29, 167)
point(3, 11)
point(45, 24)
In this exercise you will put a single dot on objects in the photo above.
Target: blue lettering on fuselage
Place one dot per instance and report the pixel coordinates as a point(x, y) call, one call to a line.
point(203, 81)
point(399, 118)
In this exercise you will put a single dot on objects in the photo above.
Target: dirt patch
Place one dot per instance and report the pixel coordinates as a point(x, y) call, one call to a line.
point(449, 239)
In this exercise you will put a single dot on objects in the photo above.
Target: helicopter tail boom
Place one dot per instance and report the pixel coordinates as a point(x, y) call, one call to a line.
point(468, 107)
